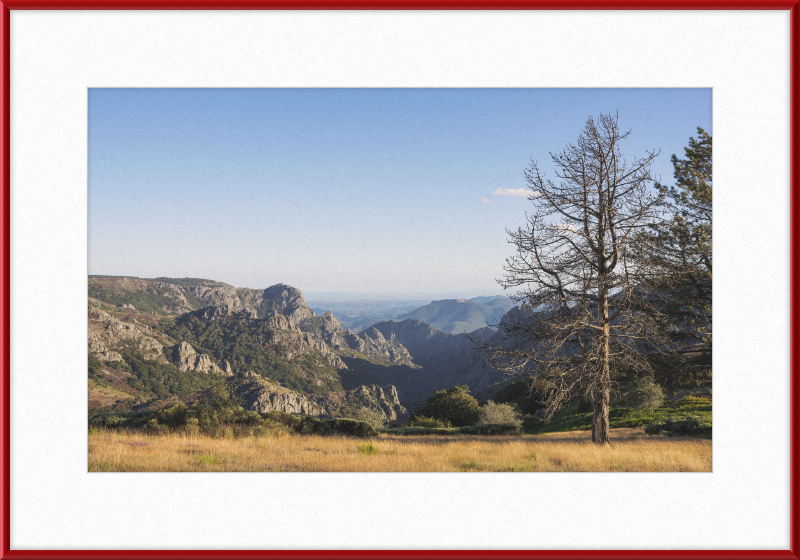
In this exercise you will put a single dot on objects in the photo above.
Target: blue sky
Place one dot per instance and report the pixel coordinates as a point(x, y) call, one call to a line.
point(365, 191)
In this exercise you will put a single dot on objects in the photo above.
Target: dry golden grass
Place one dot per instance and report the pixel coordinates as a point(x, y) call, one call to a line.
point(630, 450)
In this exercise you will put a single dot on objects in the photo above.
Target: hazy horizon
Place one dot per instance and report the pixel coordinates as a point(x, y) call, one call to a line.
point(344, 296)
point(370, 192)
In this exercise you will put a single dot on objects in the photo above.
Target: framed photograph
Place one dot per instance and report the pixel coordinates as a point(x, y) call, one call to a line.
point(384, 280)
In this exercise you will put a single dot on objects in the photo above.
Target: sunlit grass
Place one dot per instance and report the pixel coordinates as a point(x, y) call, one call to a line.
point(630, 450)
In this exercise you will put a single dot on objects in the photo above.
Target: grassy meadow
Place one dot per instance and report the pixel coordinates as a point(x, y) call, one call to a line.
point(631, 450)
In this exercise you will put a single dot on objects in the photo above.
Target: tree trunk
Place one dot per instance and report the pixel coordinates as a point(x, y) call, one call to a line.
point(600, 417)
point(602, 385)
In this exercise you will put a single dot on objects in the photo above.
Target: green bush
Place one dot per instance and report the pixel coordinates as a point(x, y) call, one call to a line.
point(455, 405)
point(645, 394)
point(368, 449)
point(298, 423)
point(699, 426)
point(428, 422)
point(373, 417)
point(493, 413)
point(489, 430)
point(352, 427)
point(173, 416)
point(109, 420)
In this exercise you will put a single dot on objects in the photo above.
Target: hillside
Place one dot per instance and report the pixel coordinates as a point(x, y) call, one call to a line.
point(155, 341)
point(456, 316)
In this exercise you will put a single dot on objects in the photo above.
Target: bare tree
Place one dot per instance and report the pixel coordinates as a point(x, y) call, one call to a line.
point(580, 312)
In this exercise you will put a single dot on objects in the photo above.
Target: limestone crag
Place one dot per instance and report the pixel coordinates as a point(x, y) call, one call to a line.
point(108, 356)
point(372, 342)
point(384, 398)
point(223, 310)
point(331, 331)
point(107, 333)
point(220, 295)
point(187, 359)
point(281, 299)
point(291, 342)
point(261, 395)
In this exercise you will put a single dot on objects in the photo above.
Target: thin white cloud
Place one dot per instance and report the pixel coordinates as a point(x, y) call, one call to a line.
point(567, 227)
point(521, 193)
point(485, 200)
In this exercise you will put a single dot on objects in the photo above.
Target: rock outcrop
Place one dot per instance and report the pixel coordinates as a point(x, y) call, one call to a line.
point(221, 295)
point(223, 310)
point(281, 299)
point(262, 395)
point(384, 398)
point(373, 343)
point(106, 333)
point(187, 359)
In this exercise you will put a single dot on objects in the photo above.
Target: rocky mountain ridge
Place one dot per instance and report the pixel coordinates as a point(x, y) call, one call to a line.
point(264, 339)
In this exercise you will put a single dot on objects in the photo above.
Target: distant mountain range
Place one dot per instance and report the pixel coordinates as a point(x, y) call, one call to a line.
point(461, 315)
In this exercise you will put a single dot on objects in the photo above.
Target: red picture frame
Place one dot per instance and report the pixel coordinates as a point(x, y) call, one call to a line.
point(5, 483)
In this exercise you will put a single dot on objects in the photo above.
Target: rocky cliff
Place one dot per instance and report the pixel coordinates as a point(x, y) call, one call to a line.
point(107, 333)
point(260, 394)
point(187, 359)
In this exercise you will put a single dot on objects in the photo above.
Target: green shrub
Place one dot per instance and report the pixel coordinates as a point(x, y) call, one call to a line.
point(368, 449)
point(645, 394)
point(455, 405)
point(489, 430)
point(493, 413)
point(209, 459)
point(109, 420)
point(352, 427)
point(428, 422)
point(173, 416)
point(298, 423)
point(153, 427)
point(311, 425)
point(698, 426)
point(373, 417)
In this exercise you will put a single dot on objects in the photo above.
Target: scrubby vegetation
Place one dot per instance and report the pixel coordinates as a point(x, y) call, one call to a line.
point(454, 405)
point(494, 413)
point(620, 416)
point(645, 394)
point(157, 380)
point(373, 417)
point(419, 421)
point(699, 426)
point(228, 421)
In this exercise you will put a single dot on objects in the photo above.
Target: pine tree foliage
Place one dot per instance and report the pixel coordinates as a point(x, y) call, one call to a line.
point(678, 254)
